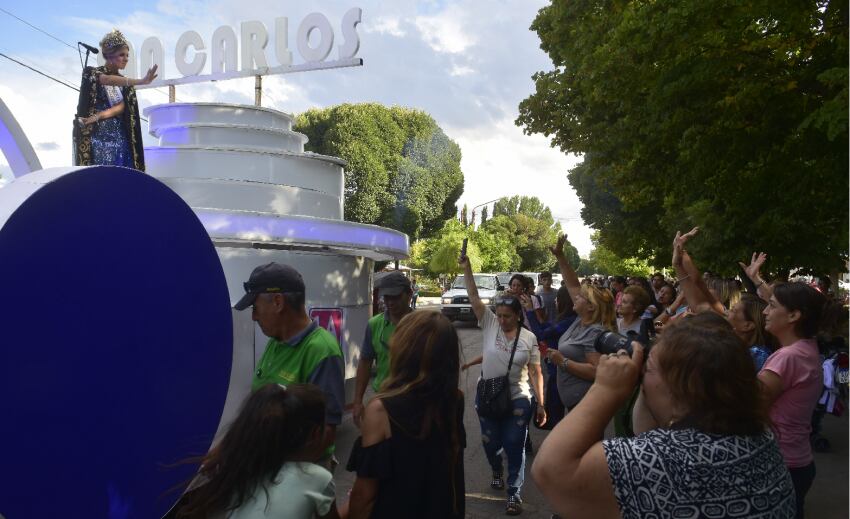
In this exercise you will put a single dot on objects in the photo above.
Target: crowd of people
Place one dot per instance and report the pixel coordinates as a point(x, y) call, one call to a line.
point(710, 383)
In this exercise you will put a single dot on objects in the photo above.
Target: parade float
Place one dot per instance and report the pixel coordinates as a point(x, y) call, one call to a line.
point(121, 353)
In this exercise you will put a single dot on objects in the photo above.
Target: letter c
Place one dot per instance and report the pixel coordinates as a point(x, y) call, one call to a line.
point(197, 65)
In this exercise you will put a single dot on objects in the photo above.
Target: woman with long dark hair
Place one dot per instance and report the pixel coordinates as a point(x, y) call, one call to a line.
point(792, 377)
point(264, 466)
point(409, 458)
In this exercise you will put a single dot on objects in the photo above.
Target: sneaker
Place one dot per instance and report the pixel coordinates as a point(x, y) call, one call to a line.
point(513, 505)
point(497, 482)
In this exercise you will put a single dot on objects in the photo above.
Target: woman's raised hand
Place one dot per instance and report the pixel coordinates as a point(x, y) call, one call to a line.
point(558, 249)
point(679, 245)
point(150, 76)
point(753, 269)
point(526, 302)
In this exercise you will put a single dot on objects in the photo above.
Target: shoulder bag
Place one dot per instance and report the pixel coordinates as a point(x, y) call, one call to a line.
point(494, 394)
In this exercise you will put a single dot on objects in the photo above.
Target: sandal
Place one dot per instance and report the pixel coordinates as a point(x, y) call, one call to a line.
point(497, 482)
point(514, 505)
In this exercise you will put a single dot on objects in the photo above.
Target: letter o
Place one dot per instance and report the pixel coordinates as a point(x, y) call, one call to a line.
point(311, 22)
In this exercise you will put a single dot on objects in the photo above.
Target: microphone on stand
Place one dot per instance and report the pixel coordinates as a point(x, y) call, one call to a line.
point(89, 48)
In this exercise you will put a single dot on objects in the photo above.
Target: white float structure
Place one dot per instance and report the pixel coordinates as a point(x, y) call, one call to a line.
point(262, 198)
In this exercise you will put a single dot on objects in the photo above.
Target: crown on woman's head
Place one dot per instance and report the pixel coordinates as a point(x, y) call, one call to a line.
point(113, 40)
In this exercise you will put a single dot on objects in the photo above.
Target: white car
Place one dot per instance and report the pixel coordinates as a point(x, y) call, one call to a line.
point(455, 305)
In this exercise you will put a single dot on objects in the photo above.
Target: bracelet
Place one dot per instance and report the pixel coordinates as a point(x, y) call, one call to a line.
point(686, 276)
point(758, 285)
point(564, 364)
point(668, 311)
point(97, 117)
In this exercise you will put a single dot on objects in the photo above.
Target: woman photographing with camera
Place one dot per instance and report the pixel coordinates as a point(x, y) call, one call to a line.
point(511, 366)
point(700, 385)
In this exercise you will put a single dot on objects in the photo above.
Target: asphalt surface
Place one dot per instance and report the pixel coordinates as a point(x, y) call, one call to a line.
point(828, 498)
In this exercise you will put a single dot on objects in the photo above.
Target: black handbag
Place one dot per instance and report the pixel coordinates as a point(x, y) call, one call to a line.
point(494, 394)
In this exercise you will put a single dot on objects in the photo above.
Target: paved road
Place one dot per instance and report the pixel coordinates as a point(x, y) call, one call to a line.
point(828, 498)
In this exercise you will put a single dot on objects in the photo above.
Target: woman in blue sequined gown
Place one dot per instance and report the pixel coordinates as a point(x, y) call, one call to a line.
point(107, 130)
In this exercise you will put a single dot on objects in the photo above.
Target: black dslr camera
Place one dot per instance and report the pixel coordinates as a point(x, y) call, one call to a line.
point(609, 343)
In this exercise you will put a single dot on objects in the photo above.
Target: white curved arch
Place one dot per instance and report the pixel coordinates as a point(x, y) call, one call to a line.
point(15, 145)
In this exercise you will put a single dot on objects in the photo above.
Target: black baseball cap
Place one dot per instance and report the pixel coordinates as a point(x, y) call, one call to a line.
point(393, 284)
point(272, 278)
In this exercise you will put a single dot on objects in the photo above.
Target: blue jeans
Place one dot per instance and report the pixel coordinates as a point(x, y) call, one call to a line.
point(508, 434)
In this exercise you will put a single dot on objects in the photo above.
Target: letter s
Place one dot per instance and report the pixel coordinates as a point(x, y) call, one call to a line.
point(349, 33)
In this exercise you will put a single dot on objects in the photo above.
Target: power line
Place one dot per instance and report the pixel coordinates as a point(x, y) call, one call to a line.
point(40, 72)
point(48, 76)
point(65, 44)
point(39, 30)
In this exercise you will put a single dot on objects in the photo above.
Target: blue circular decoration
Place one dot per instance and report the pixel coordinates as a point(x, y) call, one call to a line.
point(116, 347)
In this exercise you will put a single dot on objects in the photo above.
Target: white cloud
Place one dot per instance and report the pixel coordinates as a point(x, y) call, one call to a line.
point(504, 162)
point(446, 31)
point(386, 25)
point(461, 70)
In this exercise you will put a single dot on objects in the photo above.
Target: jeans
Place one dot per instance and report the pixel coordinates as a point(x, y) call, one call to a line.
point(508, 434)
point(802, 477)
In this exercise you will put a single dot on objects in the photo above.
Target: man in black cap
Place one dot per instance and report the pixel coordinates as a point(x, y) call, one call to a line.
point(299, 351)
point(395, 289)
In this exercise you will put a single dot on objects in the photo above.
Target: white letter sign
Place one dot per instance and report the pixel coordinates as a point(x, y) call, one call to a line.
point(318, 22)
point(197, 65)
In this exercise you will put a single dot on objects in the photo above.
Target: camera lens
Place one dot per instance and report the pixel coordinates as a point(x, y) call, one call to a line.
point(609, 343)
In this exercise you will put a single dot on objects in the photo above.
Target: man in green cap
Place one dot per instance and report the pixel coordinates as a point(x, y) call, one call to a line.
point(395, 289)
point(299, 351)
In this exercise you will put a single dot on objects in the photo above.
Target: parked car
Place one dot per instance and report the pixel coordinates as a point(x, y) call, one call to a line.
point(454, 303)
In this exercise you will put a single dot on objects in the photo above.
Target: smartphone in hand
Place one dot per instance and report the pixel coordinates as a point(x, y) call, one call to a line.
point(463, 248)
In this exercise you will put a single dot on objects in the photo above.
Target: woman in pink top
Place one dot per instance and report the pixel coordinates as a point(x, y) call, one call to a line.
point(792, 377)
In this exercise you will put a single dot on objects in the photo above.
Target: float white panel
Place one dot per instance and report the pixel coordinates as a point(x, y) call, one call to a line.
point(173, 114)
point(247, 137)
point(239, 195)
point(305, 171)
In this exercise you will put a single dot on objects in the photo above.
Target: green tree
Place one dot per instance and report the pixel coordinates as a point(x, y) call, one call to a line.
point(531, 227)
point(403, 172)
point(728, 115)
point(604, 261)
point(484, 214)
point(445, 249)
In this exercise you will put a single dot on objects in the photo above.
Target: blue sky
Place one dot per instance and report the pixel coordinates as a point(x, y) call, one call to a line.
point(466, 62)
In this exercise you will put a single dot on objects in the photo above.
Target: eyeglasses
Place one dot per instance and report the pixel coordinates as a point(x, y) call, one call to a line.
point(505, 300)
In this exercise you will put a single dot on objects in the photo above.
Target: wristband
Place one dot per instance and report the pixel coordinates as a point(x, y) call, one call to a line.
point(668, 311)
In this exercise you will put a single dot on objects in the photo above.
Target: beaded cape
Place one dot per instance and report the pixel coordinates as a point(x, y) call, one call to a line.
point(130, 122)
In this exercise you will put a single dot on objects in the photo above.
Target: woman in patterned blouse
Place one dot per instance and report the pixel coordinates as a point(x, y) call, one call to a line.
point(713, 455)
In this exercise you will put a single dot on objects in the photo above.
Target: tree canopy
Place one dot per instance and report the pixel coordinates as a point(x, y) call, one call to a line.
point(515, 238)
point(403, 171)
point(604, 261)
point(728, 115)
